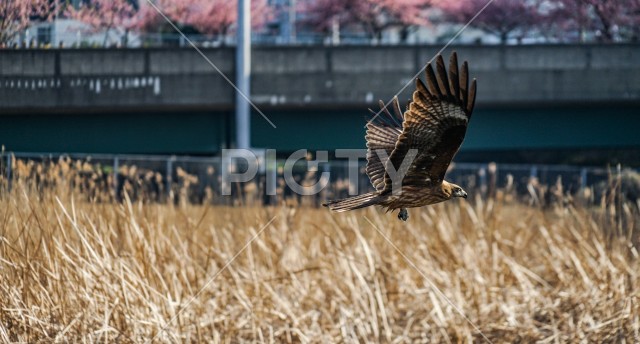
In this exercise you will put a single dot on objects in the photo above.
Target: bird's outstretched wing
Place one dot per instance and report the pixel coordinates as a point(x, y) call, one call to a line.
point(383, 131)
point(435, 124)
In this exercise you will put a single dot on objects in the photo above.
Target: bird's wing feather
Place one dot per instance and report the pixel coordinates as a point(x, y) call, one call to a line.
point(434, 124)
point(383, 131)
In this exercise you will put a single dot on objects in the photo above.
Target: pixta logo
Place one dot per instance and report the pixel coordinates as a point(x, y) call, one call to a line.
point(243, 165)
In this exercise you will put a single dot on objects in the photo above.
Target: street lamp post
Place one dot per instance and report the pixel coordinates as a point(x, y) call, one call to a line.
point(243, 75)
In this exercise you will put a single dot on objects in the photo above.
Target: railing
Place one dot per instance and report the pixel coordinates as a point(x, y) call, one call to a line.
point(80, 39)
point(199, 179)
point(143, 40)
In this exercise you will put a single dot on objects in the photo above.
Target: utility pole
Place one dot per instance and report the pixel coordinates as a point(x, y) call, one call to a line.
point(292, 21)
point(243, 75)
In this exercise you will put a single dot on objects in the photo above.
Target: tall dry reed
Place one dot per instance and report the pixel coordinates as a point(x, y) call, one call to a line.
point(72, 269)
point(79, 266)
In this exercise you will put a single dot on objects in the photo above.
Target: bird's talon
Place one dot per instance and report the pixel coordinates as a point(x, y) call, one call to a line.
point(403, 214)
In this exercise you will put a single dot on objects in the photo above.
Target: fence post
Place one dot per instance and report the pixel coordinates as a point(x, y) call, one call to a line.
point(325, 168)
point(482, 173)
point(169, 174)
point(271, 176)
point(583, 178)
point(534, 172)
point(116, 167)
point(353, 187)
point(9, 160)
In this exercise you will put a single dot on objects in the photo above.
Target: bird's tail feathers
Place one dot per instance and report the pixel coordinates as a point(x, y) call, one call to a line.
point(351, 203)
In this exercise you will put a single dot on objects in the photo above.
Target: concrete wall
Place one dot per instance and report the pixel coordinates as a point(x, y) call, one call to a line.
point(334, 77)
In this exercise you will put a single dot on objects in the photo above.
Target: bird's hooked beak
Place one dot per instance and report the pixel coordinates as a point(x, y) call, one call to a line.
point(460, 193)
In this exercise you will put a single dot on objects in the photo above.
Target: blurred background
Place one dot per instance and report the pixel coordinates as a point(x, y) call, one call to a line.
point(114, 85)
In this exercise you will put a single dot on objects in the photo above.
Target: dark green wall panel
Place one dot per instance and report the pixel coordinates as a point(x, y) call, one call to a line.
point(565, 127)
point(162, 133)
point(197, 133)
point(559, 127)
point(310, 129)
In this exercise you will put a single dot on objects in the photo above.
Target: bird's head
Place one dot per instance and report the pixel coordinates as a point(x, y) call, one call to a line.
point(453, 190)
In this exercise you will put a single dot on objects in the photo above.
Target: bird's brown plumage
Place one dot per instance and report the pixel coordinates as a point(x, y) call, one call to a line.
point(431, 131)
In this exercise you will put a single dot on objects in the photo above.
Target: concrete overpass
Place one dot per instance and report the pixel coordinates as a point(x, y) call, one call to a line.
point(328, 77)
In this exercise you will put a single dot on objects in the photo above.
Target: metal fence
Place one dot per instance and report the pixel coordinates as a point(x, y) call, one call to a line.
point(79, 39)
point(199, 179)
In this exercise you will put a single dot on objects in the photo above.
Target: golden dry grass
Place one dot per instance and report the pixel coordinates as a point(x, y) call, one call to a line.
point(72, 270)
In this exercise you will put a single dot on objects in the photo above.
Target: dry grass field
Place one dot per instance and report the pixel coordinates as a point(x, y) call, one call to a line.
point(466, 271)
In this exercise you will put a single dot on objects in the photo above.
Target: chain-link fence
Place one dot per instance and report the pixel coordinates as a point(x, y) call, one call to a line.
point(200, 180)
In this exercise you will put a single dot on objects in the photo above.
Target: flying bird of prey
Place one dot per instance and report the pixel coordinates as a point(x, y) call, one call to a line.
point(408, 154)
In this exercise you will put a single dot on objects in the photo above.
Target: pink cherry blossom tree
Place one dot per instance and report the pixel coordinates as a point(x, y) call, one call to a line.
point(147, 18)
point(503, 18)
point(324, 16)
point(104, 15)
point(209, 17)
point(369, 16)
point(218, 17)
point(376, 16)
point(16, 15)
point(608, 20)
